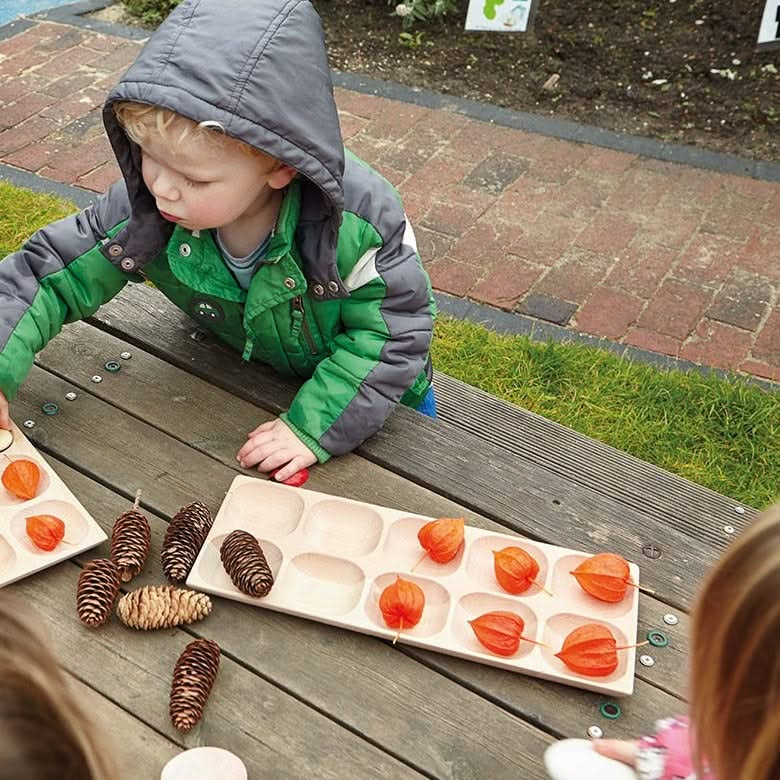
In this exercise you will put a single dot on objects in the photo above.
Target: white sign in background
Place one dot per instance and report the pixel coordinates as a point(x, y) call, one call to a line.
point(769, 32)
point(500, 15)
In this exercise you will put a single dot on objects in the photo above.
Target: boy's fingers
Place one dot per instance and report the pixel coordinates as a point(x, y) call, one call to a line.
point(5, 418)
point(292, 468)
point(266, 426)
point(256, 443)
point(619, 749)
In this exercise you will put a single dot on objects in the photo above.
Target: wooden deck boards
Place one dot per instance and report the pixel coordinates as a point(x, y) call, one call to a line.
point(297, 698)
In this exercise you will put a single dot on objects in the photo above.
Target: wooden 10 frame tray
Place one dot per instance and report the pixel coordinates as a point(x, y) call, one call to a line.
point(19, 556)
point(332, 557)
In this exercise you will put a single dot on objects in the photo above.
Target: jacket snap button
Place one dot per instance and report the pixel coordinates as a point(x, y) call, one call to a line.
point(319, 290)
point(333, 286)
point(127, 263)
point(185, 250)
point(289, 283)
point(115, 250)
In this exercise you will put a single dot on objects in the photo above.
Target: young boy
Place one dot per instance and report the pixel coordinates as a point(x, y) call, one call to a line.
point(240, 205)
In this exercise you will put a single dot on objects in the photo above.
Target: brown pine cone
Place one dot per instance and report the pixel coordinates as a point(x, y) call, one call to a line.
point(131, 539)
point(96, 591)
point(193, 678)
point(162, 606)
point(245, 562)
point(186, 533)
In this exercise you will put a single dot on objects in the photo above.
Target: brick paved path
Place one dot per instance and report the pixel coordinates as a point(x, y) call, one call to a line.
point(666, 257)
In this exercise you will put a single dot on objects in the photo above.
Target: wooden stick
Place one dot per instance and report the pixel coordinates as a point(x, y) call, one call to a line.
point(400, 629)
point(539, 585)
point(425, 555)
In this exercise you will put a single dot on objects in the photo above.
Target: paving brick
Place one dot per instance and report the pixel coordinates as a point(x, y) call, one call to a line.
point(367, 148)
point(102, 42)
point(454, 219)
point(547, 308)
point(641, 268)
point(608, 232)
point(730, 215)
point(767, 345)
point(505, 283)
point(479, 245)
point(495, 173)
point(396, 119)
point(22, 41)
point(403, 157)
point(416, 207)
point(675, 309)
point(34, 156)
point(580, 197)
point(763, 370)
point(671, 228)
point(435, 175)
point(26, 133)
point(533, 193)
point(67, 61)
point(557, 160)
point(351, 125)
point(444, 122)
point(761, 253)
point(19, 63)
point(473, 142)
point(742, 302)
point(75, 82)
point(758, 190)
point(24, 108)
point(71, 164)
point(58, 37)
point(101, 178)
point(14, 88)
point(359, 104)
point(119, 58)
point(76, 106)
point(607, 161)
point(575, 276)
point(432, 245)
point(693, 189)
point(718, 345)
point(609, 313)
point(640, 191)
point(545, 238)
point(652, 341)
point(452, 277)
point(708, 258)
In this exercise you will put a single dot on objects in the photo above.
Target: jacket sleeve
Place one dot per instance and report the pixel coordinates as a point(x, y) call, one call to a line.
point(387, 326)
point(58, 276)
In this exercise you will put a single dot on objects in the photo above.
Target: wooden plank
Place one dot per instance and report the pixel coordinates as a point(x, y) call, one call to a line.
point(224, 423)
point(367, 685)
point(137, 749)
point(514, 491)
point(274, 734)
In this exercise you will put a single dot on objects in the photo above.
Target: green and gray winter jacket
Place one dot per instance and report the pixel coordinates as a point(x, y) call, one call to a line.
point(342, 300)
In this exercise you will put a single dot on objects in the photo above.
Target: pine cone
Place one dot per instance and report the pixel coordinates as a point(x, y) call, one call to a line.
point(245, 562)
point(193, 678)
point(186, 533)
point(131, 539)
point(97, 591)
point(162, 606)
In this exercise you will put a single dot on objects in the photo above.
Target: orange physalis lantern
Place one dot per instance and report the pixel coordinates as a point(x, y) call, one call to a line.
point(441, 539)
point(605, 576)
point(499, 632)
point(21, 477)
point(515, 569)
point(402, 605)
point(45, 531)
point(592, 650)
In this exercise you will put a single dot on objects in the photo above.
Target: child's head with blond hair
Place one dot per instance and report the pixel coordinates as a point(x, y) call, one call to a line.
point(735, 678)
point(44, 733)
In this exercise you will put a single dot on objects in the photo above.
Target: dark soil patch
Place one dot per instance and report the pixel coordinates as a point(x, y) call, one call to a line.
point(607, 55)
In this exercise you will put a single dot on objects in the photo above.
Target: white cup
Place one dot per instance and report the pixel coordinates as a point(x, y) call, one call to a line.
point(205, 763)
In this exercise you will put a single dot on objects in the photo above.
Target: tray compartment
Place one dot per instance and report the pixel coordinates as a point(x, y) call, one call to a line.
point(8, 499)
point(565, 586)
point(265, 509)
point(76, 525)
point(435, 613)
point(7, 558)
point(322, 584)
point(480, 565)
point(342, 528)
point(404, 549)
point(472, 605)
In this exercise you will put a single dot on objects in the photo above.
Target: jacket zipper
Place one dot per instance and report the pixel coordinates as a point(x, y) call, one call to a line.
point(297, 305)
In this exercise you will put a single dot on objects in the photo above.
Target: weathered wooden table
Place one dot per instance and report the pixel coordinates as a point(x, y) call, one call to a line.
point(296, 698)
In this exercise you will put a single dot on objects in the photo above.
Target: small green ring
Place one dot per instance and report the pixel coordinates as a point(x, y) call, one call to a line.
point(657, 638)
point(112, 366)
point(50, 408)
point(610, 710)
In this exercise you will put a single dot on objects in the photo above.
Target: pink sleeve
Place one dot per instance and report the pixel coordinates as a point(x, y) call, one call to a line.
point(667, 755)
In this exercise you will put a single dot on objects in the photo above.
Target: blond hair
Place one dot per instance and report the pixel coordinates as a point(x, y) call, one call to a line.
point(44, 733)
point(735, 680)
point(139, 120)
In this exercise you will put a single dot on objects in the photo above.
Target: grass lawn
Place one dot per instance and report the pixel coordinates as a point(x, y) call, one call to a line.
point(724, 434)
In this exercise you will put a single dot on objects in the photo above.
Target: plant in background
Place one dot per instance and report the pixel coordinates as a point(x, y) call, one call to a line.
point(150, 12)
point(412, 11)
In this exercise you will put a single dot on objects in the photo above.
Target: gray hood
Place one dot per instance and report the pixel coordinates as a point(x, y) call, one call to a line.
point(260, 68)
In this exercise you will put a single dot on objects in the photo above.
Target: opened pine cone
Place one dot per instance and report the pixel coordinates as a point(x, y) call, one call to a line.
point(131, 539)
point(186, 533)
point(162, 606)
point(193, 679)
point(245, 562)
point(96, 591)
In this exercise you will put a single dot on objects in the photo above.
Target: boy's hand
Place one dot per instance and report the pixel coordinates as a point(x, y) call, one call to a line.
point(274, 446)
point(619, 749)
point(5, 418)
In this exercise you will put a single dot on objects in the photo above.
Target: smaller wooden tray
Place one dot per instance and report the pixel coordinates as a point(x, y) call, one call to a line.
point(331, 558)
point(19, 557)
